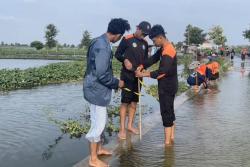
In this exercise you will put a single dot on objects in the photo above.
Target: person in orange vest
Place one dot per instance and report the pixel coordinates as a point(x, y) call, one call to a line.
point(167, 78)
point(212, 72)
point(198, 77)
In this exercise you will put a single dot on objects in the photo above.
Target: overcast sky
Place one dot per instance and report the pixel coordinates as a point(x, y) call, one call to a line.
point(24, 21)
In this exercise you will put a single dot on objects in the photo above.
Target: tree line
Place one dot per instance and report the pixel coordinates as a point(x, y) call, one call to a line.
point(193, 36)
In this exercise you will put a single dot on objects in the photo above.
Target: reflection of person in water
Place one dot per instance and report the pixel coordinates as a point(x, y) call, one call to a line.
point(242, 69)
point(169, 158)
point(232, 53)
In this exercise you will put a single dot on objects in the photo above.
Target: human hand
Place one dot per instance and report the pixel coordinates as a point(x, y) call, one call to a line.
point(139, 68)
point(121, 83)
point(128, 64)
point(138, 73)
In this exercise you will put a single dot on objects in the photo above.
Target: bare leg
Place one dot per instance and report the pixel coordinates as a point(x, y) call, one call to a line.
point(173, 132)
point(123, 111)
point(132, 110)
point(93, 160)
point(168, 132)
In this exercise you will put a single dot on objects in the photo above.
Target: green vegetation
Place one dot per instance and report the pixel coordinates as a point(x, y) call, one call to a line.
point(216, 34)
point(50, 74)
point(32, 53)
point(76, 128)
point(246, 34)
point(36, 44)
point(50, 34)
point(86, 39)
point(194, 35)
point(224, 64)
point(186, 60)
point(153, 89)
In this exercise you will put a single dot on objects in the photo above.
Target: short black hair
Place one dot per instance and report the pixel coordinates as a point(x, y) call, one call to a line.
point(118, 26)
point(157, 30)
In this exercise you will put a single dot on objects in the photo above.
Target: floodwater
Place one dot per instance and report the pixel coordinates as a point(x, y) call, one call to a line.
point(27, 136)
point(212, 130)
point(25, 63)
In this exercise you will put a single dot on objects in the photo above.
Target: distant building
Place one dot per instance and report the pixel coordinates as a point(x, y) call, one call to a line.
point(208, 44)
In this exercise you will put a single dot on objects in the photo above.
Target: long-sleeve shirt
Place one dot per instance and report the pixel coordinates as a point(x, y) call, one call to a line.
point(167, 71)
point(99, 79)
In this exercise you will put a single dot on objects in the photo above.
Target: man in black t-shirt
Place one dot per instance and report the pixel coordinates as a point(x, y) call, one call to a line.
point(132, 52)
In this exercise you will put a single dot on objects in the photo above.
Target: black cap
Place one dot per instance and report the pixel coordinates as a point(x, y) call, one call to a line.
point(145, 27)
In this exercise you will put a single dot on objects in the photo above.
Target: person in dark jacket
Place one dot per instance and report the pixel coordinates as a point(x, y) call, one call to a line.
point(166, 76)
point(132, 51)
point(98, 84)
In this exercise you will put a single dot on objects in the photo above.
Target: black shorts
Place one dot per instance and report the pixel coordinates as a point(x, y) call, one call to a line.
point(167, 109)
point(130, 96)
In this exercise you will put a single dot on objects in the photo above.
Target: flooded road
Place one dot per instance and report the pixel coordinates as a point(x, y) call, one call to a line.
point(212, 130)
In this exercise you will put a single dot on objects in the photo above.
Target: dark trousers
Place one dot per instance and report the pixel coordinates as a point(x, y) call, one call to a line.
point(167, 108)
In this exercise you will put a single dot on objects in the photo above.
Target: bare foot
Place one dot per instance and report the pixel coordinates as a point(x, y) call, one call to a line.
point(134, 130)
point(97, 163)
point(103, 151)
point(122, 135)
point(168, 144)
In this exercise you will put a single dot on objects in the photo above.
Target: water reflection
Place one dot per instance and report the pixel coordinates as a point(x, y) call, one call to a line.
point(212, 130)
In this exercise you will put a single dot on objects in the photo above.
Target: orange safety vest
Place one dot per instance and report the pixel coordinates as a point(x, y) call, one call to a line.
point(214, 67)
point(202, 69)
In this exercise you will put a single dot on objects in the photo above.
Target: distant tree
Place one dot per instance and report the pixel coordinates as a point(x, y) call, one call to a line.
point(217, 35)
point(65, 45)
point(50, 34)
point(36, 44)
point(246, 34)
point(194, 35)
point(17, 44)
point(72, 46)
point(2, 43)
point(86, 39)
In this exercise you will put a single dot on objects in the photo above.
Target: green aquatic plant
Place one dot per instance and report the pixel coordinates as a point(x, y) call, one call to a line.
point(153, 89)
point(51, 74)
point(74, 128)
point(77, 127)
point(32, 77)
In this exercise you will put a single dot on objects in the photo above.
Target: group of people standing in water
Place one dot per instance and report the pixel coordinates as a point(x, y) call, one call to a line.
point(132, 52)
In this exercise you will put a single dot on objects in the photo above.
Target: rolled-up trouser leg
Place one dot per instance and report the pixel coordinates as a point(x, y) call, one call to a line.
point(98, 117)
point(167, 109)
